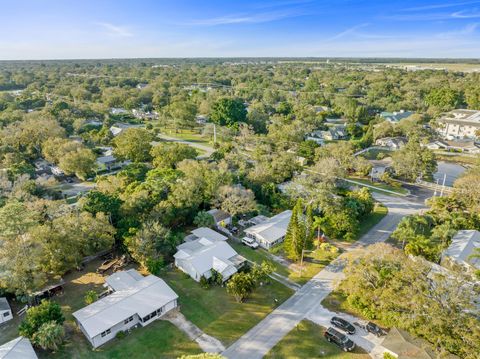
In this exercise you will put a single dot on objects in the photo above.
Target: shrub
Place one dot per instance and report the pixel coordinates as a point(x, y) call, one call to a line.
point(49, 336)
point(120, 335)
point(90, 297)
point(204, 282)
point(46, 312)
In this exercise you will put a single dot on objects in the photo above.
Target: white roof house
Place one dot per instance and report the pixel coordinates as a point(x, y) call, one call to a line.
point(119, 127)
point(5, 311)
point(136, 300)
point(459, 124)
point(197, 258)
point(463, 245)
point(19, 348)
point(272, 231)
point(205, 232)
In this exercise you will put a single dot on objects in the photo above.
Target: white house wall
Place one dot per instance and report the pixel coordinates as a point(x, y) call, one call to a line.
point(5, 318)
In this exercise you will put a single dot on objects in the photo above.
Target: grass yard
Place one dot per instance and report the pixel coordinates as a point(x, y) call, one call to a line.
point(160, 339)
point(380, 186)
point(217, 313)
point(188, 135)
point(307, 341)
point(372, 219)
point(313, 262)
point(373, 153)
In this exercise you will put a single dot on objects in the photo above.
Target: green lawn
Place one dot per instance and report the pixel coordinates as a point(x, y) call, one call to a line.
point(374, 152)
point(380, 186)
point(306, 341)
point(313, 262)
point(217, 313)
point(372, 219)
point(160, 339)
point(188, 135)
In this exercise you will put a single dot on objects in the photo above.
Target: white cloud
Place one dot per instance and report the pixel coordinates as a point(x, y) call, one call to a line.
point(440, 6)
point(115, 30)
point(350, 31)
point(246, 18)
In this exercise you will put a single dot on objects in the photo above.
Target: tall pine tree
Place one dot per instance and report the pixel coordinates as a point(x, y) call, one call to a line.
point(309, 228)
point(295, 236)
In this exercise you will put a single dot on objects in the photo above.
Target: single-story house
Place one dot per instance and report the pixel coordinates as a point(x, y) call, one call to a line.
point(402, 345)
point(336, 132)
point(272, 231)
point(221, 218)
point(464, 244)
point(19, 348)
point(136, 301)
point(5, 311)
point(205, 232)
point(199, 257)
point(469, 146)
point(379, 167)
point(118, 111)
point(315, 136)
point(119, 127)
point(395, 116)
point(437, 145)
point(392, 143)
point(108, 161)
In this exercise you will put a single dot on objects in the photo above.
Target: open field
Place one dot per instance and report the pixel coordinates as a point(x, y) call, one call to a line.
point(306, 341)
point(217, 313)
point(188, 135)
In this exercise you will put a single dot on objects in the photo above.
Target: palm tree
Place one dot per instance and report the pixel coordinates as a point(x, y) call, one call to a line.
point(319, 223)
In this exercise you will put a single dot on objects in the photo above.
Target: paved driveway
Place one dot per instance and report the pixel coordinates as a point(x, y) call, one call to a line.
point(306, 301)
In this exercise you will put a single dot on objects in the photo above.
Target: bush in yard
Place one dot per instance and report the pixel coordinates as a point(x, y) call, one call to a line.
point(49, 336)
point(388, 356)
point(90, 297)
point(240, 286)
point(35, 317)
point(204, 283)
point(120, 335)
point(216, 278)
point(204, 219)
point(155, 265)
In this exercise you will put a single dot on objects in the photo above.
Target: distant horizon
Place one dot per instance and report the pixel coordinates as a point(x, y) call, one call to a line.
point(118, 29)
point(406, 59)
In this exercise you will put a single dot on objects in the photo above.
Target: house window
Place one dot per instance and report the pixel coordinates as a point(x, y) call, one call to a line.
point(159, 311)
point(6, 314)
point(126, 321)
point(106, 332)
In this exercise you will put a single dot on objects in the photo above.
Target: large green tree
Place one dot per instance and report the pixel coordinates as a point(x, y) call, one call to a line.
point(228, 112)
point(133, 144)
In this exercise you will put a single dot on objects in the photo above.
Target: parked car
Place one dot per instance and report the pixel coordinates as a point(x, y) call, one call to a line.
point(374, 329)
point(250, 242)
point(334, 336)
point(343, 324)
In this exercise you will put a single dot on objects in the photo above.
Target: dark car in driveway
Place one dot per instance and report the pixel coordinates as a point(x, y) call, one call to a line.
point(343, 324)
point(374, 329)
point(334, 336)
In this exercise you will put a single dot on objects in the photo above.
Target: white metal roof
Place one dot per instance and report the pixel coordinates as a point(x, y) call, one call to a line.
point(137, 296)
point(204, 255)
point(272, 229)
point(19, 348)
point(463, 246)
point(209, 234)
point(124, 279)
point(4, 306)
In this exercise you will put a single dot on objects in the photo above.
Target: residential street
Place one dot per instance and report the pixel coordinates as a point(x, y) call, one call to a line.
point(306, 301)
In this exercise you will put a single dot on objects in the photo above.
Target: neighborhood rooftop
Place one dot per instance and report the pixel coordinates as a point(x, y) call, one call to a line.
point(4, 304)
point(272, 229)
point(463, 246)
point(204, 232)
point(137, 295)
point(19, 348)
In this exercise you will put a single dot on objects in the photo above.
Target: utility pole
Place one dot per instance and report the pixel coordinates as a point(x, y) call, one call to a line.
point(443, 185)
point(214, 134)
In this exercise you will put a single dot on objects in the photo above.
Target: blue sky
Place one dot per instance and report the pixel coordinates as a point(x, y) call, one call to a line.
point(63, 29)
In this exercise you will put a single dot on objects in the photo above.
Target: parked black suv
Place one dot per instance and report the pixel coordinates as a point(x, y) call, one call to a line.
point(343, 324)
point(334, 336)
point(375, 329)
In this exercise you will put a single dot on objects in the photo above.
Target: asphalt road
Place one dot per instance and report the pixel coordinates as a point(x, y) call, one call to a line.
point(265, 335)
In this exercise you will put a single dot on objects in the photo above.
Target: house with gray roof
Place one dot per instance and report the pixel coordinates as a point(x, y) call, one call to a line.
point(271, 231)
point(395, 116)
point(464, 244)
point(19, 348)
point(402, 345)
point(5, 311)
point(135, 301)
point(200, 257)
